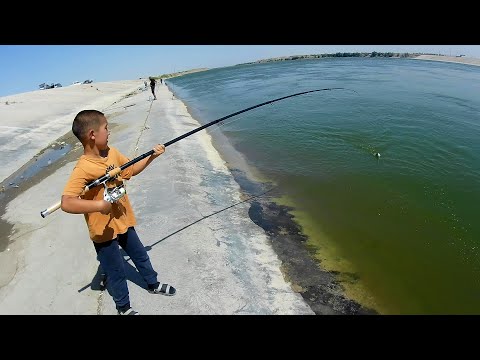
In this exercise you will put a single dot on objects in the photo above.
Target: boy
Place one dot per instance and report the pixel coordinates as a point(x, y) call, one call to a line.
point(109, 224)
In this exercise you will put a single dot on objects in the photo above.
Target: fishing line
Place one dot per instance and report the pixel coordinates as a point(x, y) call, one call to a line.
point(249, 126)
point(356, 138)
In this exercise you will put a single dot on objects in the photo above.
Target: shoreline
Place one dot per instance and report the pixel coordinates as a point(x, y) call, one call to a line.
point(321, 289)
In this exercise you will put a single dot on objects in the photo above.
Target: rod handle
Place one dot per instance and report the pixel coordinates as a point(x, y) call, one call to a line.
point(51, 209)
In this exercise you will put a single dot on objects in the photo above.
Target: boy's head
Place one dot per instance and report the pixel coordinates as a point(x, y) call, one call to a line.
point(87, 123)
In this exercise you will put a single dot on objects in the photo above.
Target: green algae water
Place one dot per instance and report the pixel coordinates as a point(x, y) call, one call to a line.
point(400, 231)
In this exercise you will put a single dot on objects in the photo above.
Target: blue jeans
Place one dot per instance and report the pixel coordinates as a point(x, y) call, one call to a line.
point(112, 262)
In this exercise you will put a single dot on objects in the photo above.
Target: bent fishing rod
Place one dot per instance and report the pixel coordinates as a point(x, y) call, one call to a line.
point(118, 193)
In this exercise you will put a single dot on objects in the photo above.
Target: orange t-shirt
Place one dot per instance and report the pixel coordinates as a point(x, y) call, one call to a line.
point(102, 227)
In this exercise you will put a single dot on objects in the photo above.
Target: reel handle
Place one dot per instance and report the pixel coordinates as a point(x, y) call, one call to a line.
point(57, 205)
point(51, 209)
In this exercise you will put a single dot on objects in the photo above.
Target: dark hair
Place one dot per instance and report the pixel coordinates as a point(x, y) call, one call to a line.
point(84, 121)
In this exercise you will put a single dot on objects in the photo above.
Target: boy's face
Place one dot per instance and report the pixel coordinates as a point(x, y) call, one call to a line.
point(101, 135)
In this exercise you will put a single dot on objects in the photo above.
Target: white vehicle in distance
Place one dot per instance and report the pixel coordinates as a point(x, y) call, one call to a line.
point(76, 83)
point(45, 86)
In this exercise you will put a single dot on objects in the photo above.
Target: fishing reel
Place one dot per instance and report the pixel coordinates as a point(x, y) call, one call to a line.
point(112, 195)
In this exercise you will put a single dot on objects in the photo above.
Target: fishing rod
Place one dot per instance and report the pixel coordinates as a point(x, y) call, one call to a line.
point(117, 193)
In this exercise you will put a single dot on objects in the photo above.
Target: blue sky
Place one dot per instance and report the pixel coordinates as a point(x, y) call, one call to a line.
point(24, 67)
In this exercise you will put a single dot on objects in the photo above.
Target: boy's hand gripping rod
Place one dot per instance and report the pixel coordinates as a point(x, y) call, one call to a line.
point(114, 172)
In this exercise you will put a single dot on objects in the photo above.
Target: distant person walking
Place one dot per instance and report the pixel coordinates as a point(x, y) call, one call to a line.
point(153, 82)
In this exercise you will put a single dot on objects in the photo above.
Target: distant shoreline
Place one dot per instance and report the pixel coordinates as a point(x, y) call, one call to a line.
point(442, 58)
point(180, 73)
point(432, 57)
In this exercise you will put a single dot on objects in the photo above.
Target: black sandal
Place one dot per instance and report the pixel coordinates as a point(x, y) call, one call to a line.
point(163, 289)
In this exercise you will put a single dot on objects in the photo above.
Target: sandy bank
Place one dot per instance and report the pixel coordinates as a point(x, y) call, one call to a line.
point(453, 59)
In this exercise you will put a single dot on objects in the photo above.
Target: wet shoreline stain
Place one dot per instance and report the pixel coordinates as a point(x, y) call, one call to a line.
point(319, 288)
point(43, 164)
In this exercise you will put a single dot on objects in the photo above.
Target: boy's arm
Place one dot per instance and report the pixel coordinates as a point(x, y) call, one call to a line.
point(71, 201)
point(142, 164)
point(75, 205)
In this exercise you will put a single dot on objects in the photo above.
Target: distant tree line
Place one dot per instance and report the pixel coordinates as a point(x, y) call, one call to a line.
point(179, 73)
point(338, 54)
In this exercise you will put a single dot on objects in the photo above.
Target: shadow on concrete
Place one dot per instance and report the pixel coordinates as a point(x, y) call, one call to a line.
point(100, 283)
point(149, 247)
point(132, 274)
